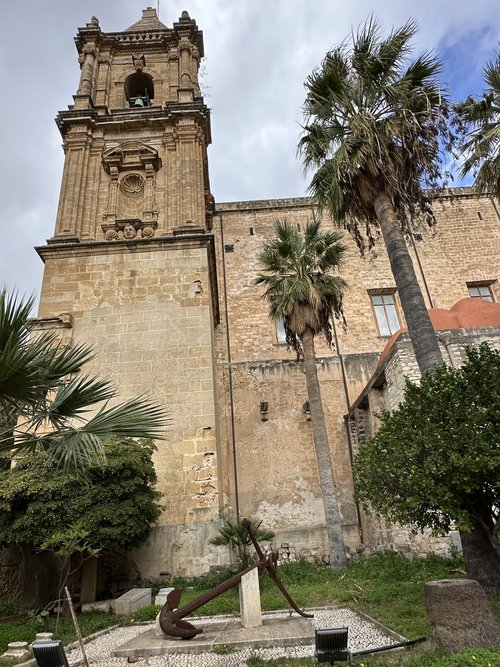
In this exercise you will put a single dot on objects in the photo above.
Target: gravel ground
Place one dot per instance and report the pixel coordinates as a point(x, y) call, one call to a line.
point(362, 635)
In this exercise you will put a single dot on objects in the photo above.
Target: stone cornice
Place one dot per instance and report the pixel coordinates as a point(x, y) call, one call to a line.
point(57, 247)
point(467, 192)
point(170, 116)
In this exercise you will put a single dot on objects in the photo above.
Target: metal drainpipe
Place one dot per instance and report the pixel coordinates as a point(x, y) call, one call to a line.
point(346, 422)
point(230, 373)
point(445, 338)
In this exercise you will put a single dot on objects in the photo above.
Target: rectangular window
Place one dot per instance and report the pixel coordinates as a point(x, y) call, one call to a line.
point(280, 332)
point(477, 291)
point(384, 307)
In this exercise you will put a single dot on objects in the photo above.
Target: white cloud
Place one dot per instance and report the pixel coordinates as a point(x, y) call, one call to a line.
point(258, 55)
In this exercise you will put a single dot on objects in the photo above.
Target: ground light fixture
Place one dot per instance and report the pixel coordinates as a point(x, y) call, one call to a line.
point(331, 645)
point(49, 653)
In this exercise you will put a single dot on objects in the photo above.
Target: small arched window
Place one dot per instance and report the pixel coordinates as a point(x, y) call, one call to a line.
point(139, 89)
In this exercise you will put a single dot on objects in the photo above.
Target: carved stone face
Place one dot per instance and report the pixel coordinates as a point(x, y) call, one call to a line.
point(129, 232)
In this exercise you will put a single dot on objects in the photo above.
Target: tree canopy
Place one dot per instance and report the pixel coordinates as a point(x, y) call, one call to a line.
point(297, 272)
point(481, 125)
point(375, 122)
point(435, 460)
point(116, 503)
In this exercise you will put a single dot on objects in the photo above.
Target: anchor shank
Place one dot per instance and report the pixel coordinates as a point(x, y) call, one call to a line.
point(215, 592)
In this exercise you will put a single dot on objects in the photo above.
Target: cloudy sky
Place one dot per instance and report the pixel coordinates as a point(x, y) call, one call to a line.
point(258, 53)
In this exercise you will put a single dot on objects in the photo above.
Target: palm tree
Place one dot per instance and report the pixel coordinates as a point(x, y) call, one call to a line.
point(481, 117)
point(375, 127)
point(302, 291)
point(44, 398)
point(234, 535)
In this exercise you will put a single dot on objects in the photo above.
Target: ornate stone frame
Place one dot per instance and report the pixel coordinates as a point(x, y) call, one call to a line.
point(130, 156)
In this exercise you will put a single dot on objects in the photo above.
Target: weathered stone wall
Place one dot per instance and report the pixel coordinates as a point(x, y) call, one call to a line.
point(147, 311)
point(275, 465)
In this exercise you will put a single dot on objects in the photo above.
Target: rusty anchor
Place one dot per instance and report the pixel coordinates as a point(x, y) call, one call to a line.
point(171, 615)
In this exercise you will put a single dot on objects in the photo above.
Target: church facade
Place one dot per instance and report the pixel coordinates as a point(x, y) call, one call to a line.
point(158, 277)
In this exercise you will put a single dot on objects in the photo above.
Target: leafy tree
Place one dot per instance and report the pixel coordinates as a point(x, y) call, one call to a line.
point(481, 124)
point(375, 127)
point(234, 535)
point(302, 290)
point(44, 398)
point(115, 504)
point(435, 460)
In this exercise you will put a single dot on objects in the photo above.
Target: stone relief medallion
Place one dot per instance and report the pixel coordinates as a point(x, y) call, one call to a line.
point(111, 235)
point(148, 232)
point(132, 185)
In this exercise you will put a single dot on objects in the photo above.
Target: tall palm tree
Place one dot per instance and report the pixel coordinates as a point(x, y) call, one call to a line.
point(481, 118)
point(375, 127)
point(301, 290)
point(44, 397)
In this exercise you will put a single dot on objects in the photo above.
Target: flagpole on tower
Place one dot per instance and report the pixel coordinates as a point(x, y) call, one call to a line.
point(158, 11)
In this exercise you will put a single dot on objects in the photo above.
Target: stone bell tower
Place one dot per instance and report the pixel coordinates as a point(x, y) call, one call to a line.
point(131, 268)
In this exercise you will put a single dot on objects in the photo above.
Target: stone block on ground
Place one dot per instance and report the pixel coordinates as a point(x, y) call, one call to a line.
point(161, 598)
point(134, 599)
point(102, 605)
point(459, 615)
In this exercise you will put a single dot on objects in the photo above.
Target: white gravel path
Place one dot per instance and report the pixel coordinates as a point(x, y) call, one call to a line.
point(362, 635)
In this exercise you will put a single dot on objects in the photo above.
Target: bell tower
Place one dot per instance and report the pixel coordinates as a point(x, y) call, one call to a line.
point(131, 266)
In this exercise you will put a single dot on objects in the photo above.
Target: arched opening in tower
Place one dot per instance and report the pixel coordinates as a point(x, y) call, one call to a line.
point(139, 89)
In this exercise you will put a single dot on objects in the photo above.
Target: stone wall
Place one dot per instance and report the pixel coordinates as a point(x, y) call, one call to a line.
point(276, 472)
point(146, 308)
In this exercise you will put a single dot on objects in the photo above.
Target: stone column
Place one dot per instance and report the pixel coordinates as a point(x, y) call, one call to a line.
point(87, 60)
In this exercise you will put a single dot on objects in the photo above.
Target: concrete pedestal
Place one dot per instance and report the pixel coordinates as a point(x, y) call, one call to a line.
point(251, 612)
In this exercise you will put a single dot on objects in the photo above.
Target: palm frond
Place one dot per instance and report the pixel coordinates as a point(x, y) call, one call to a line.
point(375, 121)
point(479, 120)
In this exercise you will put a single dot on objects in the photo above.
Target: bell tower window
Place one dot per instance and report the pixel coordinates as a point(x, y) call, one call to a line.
point(139, 89)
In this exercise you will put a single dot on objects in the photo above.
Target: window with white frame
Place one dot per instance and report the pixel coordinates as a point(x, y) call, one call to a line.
point(480, 291)
point(386, 314)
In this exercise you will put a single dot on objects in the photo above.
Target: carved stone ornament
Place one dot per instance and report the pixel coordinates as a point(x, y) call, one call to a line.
point(132, 185)
point(129, 230)
point(139, 62)
point(130, 155)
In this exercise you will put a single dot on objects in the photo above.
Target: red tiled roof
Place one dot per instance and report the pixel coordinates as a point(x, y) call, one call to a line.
point(467, 313)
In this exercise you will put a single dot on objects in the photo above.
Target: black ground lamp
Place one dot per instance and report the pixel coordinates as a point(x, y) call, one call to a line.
point(49, 653)
point(331, 645)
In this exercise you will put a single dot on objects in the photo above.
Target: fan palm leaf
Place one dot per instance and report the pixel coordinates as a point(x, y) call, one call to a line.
point(43, 404)
point(481, 124)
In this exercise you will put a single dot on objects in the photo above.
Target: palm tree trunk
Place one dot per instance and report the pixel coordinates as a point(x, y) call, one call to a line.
point(420, 329)
point(320, 437)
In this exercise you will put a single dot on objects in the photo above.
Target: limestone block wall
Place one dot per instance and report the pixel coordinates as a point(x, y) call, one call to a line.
point(146, 308)
point(275, 464)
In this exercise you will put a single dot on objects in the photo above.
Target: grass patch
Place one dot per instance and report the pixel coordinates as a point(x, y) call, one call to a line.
point(25, 630)
point(386, 586)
